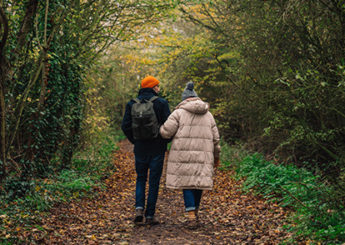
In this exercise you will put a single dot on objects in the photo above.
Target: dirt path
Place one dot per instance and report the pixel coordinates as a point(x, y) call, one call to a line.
point(228, 216)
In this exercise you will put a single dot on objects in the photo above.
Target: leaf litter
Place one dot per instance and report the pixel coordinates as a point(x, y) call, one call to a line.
point(228, 216)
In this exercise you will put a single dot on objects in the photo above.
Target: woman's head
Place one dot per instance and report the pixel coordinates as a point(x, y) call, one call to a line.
point(189, 91)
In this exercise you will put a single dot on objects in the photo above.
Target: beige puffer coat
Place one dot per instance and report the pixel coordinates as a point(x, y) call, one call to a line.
point(194, 146)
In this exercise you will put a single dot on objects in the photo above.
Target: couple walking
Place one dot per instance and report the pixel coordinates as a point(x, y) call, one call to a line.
point(194, 150)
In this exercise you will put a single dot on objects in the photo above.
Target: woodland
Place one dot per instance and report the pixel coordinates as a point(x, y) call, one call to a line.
point(273, 72)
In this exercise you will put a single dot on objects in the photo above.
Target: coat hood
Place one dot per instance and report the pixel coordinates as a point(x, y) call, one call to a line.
point(194, 105)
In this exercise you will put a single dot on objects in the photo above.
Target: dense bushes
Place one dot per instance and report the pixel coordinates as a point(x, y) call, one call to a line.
point(46, 49)
point(273, 72)
point(55, 144)
point(315, 213)
point(22, 199)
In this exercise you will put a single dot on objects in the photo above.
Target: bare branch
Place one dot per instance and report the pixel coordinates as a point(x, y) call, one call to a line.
point(27, 24)
point(194, 20)
point(4, 23)
point(213, 20)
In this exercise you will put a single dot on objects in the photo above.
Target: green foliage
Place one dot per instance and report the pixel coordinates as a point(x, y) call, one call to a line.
point(317, 214)
point(230, 156)
point(24, 199)
point(50, 46)
point(97, 158)
point(272, 72)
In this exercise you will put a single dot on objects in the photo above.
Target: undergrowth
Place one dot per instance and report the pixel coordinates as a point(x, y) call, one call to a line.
point(317, 215)
point(23, 200)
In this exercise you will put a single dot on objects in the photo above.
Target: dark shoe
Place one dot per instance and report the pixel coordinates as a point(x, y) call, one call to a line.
point(152, 221)
point(139, 216)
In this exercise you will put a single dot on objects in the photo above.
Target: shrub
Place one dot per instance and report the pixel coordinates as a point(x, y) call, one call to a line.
point(317, 214)
point(22, 199)
point(230, 156)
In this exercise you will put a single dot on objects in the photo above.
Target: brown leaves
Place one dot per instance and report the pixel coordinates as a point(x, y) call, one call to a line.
point(227, 215)
point(247, 218)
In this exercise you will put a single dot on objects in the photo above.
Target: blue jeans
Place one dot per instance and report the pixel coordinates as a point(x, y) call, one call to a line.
point(192, 199)
point(142, 165)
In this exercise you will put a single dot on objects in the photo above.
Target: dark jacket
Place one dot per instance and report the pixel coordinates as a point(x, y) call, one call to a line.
point(161, 108)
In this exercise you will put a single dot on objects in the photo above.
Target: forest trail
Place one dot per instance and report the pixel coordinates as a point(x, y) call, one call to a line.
point(228, 216)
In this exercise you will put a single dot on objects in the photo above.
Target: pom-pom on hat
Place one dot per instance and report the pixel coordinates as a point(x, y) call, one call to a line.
point(149, 82)
point(189, 91)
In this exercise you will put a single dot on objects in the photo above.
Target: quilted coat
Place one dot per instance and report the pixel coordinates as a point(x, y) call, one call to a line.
point(194, 146)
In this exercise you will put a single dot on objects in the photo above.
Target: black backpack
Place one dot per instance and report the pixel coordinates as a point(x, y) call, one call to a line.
point(144, 120)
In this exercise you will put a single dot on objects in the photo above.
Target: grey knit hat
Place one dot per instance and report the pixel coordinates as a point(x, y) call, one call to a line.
point(189, 91)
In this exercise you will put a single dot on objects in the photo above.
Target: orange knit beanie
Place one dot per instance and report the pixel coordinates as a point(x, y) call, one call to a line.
point(149, 82)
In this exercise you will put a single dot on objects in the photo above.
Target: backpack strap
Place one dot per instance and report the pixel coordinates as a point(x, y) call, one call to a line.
point(136, 100)
point(153, 98)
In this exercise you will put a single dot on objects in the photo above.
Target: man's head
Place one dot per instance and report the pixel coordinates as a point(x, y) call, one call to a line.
point(150, 82)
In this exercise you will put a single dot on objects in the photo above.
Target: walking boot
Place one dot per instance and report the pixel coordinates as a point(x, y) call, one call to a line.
point(192, 220)
point(151, 220)
point(139, 216)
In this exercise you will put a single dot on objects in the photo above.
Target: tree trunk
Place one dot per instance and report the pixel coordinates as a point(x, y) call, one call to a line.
point(3, 134)
point(4, 27)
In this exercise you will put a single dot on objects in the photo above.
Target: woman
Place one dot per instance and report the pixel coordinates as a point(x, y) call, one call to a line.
point(194, 150)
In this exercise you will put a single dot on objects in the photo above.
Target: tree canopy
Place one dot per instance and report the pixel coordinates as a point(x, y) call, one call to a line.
point(273, 72)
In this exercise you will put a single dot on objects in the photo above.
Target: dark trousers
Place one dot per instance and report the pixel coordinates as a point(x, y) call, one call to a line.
point(143, 165)
point(192, 199)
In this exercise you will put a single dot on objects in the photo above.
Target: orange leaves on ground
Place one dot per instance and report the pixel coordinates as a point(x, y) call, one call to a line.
point(227, 215)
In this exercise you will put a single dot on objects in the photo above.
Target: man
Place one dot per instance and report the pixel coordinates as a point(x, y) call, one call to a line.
point(149, 154)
